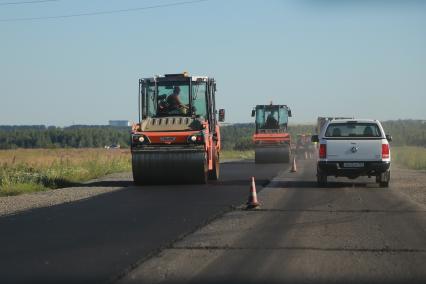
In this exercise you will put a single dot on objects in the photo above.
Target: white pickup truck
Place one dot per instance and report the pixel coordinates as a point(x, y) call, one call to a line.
point(353, 148)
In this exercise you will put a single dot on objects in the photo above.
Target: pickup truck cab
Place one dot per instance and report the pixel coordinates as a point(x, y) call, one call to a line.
point(352, 148)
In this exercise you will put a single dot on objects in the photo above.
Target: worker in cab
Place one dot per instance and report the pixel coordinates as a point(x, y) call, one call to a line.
point(174, 102)
point(271, 121)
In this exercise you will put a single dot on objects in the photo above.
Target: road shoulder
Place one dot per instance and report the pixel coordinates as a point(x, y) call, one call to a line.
point(16, 204)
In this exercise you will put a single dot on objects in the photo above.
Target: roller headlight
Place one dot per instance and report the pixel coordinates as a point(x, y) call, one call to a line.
point(140, 139)
point(196, 139)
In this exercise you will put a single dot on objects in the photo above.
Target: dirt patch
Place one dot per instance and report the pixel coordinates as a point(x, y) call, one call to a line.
point(411, 183)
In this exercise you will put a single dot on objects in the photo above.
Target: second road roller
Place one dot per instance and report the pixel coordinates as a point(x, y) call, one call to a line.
point(177, 138)
point(271, 139)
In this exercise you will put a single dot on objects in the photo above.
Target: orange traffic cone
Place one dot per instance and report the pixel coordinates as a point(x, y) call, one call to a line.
point(294, 167)
point(252, 200)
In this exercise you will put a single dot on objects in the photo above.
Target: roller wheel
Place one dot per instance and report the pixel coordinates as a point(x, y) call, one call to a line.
point(256, 158)
point(272, 154)
point(203, 177)
point(215, 172)
point(137, 179)
point(169, 167)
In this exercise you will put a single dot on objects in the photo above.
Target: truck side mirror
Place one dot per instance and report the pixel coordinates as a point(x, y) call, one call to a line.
point(315, 138)
point(289, 113)
point(221, 115)
point(253, 113)
point(389, 137)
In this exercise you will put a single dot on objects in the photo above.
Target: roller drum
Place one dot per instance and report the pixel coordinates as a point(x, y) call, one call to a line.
point(172, 166)
point(272, 154)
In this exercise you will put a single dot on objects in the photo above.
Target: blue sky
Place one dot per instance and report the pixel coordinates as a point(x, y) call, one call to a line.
point(321, 57)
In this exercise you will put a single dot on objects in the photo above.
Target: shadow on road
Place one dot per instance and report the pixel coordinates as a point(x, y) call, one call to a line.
point(107, 183)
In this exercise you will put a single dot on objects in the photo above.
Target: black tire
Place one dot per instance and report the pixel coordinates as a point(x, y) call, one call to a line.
point(203, 176)
point(215, 172)
point(383, 179)
point(137, 180)
point(137, 177)
point(258, 159)
point(322, 179)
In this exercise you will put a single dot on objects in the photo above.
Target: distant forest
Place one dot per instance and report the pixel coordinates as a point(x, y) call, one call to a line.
point(236, 136)
point(78, 136)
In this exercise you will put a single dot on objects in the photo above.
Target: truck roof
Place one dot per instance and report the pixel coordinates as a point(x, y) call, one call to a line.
point(354, 120)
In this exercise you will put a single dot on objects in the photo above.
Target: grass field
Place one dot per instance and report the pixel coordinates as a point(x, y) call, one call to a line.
point(236, 155)
point(29, 170)
point(410, 157)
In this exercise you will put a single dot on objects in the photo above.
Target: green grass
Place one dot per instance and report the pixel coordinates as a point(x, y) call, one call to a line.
point(33, 170)
point(25, 171)
point(234, 155)
point(410, 157)
point(16, 189)
point(56, 169)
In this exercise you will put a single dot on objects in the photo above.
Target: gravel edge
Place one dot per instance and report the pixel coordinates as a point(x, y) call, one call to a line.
point(10, 205)
point(410, 183)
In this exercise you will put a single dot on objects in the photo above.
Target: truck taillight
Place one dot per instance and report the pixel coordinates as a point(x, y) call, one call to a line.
point(385, 151)
point(323, 151)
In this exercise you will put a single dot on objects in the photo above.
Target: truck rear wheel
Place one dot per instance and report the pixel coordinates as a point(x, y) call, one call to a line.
point(321, 179)
point(383, 179)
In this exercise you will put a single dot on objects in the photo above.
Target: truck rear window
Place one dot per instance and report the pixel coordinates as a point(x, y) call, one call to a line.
point(352, 130)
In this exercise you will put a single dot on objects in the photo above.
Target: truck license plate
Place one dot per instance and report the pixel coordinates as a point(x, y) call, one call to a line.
point(353, 165)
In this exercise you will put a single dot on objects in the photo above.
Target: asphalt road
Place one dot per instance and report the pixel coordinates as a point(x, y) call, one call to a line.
point(98, 239)
point(350, 232)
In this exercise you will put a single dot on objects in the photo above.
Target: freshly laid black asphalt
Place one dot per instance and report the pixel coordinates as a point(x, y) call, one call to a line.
point(97, 239)
point(351, 231)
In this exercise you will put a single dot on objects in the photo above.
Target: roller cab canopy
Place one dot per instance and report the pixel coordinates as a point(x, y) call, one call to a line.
point(271, 117)
point(163, 98)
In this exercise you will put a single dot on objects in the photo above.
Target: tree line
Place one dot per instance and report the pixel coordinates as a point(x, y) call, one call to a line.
point(234, 137)
point(78, 136)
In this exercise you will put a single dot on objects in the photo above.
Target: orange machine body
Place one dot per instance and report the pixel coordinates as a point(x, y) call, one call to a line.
point(271, 138)
point(177, 138)
point(210, 143)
